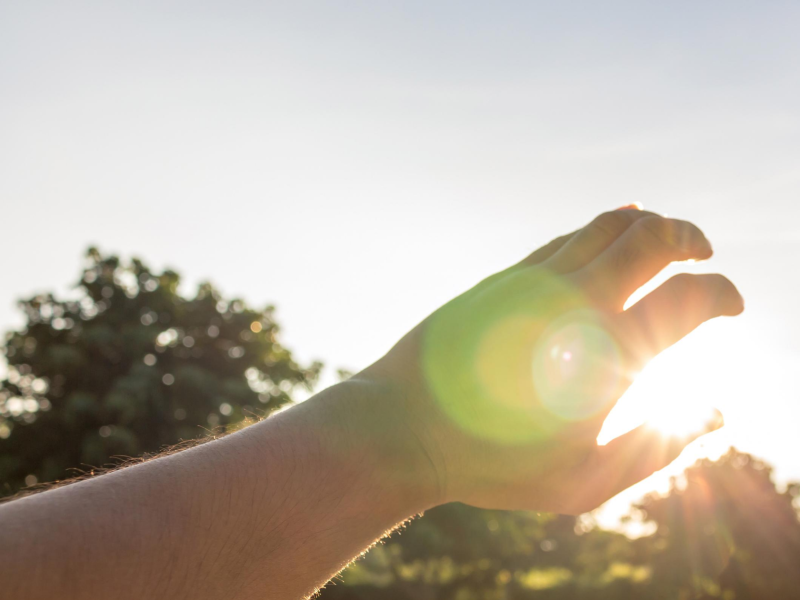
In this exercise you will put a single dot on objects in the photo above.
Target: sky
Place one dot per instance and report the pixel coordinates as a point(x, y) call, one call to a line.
point(358, 164)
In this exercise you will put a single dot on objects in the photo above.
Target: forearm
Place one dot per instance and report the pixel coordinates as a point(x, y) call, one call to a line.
point(495, 400)
point(273, 510)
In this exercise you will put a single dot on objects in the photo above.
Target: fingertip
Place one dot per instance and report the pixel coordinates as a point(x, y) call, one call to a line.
point(706, 250)
point(741, 302)
point(632, 206)
point(695, 242)
point(732, 301)
point(739, 308)
point(725, 300)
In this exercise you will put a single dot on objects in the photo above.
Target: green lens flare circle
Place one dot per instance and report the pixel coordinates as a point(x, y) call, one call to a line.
point(577, 367)
point(498, 361)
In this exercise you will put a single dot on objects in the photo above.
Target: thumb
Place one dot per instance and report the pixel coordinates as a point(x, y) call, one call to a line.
point(631, 457)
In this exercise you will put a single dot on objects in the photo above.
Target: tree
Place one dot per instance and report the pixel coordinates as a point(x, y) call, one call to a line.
point(457, 552)
point(723, 531)
point(128, 367)
point(726, 532)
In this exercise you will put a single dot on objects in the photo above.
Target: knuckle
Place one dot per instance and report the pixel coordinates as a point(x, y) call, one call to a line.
point(683, 283)
point(702, 289)
point(552, 245)
point(594, 286)
point(613, 223)
point(623, 262)
point(668, 233)
point(718, 281)
point(655, 229)
point(546, 252)
point(715, 284)
point(682, 286)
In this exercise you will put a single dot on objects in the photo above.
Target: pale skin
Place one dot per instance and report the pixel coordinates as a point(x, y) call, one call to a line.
point(452, 413)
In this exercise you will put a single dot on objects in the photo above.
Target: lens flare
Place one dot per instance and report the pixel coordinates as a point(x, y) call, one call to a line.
point(478, 351)
point(577, 367)
point(686, 422)
point(537, 359)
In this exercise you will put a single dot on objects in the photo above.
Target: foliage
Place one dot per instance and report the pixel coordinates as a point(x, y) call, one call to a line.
point(129, 366)
point(726, 532)
point(728, 529)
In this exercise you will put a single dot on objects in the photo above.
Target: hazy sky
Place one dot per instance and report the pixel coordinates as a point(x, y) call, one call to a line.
point(359, 163)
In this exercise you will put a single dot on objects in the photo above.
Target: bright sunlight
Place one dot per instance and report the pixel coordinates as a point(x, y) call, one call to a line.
point(678, 393)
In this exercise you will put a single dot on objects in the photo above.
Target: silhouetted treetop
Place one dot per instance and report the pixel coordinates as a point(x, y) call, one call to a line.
point(126, 366)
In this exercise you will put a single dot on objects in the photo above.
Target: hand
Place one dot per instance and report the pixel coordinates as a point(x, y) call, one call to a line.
point(495, 400)
point(507, 386)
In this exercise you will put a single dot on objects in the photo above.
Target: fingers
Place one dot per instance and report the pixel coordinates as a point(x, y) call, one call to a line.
point(625, 461)
point(546, 251)
point(587, 243)
point(639, 453)
point(639, 254)
point(673, 310)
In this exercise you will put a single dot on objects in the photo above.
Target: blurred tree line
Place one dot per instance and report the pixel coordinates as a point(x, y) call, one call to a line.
point(726, 532)
point(127, 366)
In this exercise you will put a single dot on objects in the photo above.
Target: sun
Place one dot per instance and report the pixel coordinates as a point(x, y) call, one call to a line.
point(671, 395)
point(678, 393)
point(687, 422)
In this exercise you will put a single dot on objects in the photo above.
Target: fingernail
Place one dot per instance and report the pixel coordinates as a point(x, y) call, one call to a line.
point(634, 206)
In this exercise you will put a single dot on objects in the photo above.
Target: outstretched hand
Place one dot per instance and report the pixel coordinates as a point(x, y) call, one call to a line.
point(495, 400)
point(505, 388)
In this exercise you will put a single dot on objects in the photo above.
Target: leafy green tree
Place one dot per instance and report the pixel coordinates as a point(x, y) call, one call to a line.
point(128, 366)
point(725, 532)
point(728, 532)
point(456, 552)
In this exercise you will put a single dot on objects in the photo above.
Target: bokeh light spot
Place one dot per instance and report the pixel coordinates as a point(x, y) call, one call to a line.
point(577, 367)
point(478, 352)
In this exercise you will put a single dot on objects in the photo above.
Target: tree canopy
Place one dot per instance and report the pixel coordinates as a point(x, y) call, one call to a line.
point(128, 366)
point(725, 532)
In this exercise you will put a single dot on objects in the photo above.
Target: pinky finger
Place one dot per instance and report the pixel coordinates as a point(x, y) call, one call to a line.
point(627, 460)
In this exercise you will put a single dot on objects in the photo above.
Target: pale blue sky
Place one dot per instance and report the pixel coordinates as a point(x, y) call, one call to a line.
point(359, 163)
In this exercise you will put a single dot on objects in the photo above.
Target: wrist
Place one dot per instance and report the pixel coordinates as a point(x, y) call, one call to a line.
point(387, 442)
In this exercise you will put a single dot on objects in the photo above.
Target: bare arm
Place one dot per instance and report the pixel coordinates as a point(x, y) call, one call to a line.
point(495, 400)
point(271, 511)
